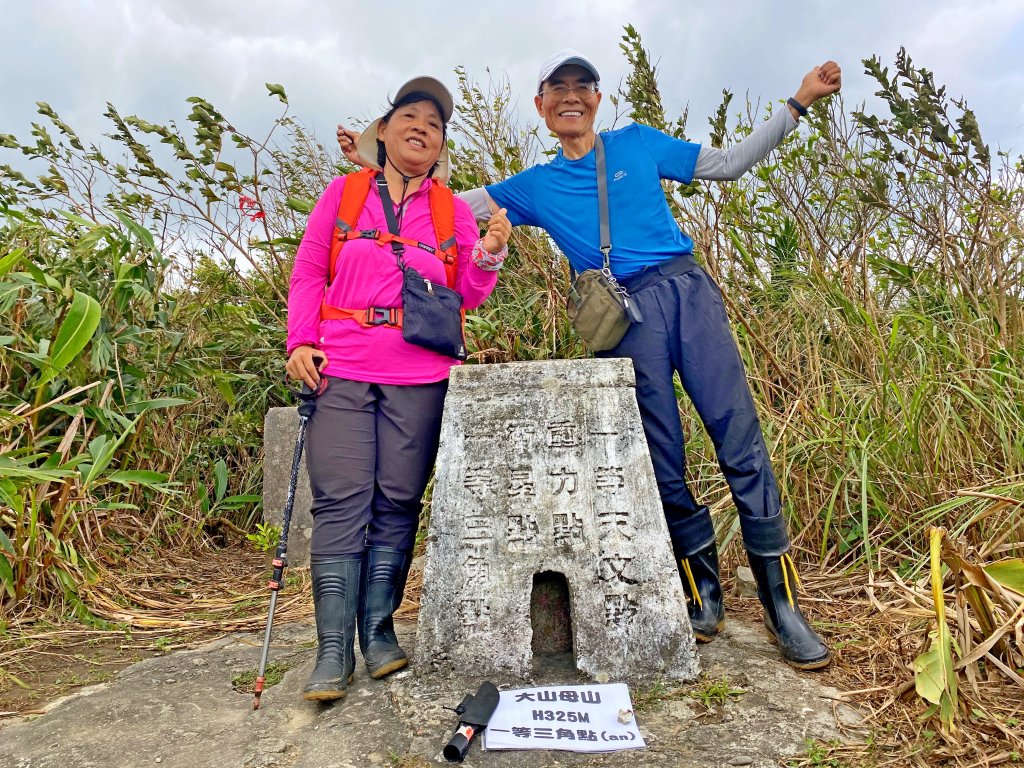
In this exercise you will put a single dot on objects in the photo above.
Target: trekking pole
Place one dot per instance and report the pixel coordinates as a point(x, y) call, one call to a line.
point(307, 404)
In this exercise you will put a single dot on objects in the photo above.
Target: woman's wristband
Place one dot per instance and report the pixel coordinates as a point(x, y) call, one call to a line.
point(800, 108)
point(488, 262)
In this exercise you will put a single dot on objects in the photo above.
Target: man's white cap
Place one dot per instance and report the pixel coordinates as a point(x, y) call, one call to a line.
point(561, 59)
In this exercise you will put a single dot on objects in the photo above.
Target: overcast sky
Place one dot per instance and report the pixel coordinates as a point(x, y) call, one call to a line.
point(340, 60)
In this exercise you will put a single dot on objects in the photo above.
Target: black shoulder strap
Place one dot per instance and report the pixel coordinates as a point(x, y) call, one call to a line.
point(389, 215)
point(388, 204)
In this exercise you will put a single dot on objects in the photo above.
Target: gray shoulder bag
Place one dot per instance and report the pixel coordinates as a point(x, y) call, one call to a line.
point(599, 308)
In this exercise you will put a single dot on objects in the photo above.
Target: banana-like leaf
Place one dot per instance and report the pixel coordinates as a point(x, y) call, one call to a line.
point(220, 474)
point(8, 261)
point(75, 332)
point(6, 577)
point(1009, 573)
point(42, 278)
point(934, 675)
point(102, 450)
point(12, 468)
point(144, 477)
point(148, 405)
point(928, 679)
point(226, 390)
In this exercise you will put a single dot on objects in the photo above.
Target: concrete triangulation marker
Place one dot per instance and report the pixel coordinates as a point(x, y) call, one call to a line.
point(280, 429)
point(544, 470)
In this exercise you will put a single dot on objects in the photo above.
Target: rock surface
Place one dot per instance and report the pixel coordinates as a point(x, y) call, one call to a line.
point(180, 710)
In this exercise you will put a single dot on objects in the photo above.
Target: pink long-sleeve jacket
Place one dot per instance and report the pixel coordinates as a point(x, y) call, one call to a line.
point(368, 276)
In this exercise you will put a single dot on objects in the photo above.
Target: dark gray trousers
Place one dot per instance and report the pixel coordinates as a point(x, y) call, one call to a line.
point(685, 328)
point(369, 452)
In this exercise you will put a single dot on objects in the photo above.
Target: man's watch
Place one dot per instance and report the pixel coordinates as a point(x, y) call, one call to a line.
point(800, 108)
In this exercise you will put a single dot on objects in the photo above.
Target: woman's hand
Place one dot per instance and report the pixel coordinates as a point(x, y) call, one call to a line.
point(348, 140)
point(300, 365)
point(499, 228)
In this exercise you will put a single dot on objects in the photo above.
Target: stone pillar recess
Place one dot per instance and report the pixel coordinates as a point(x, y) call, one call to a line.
point(544, 468)
point(280, 430)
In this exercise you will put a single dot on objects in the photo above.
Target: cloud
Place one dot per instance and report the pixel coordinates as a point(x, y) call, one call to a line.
point(340, 61)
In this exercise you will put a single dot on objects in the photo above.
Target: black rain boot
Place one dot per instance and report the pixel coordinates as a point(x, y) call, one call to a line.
point(777, 582)
point(693, 544)
point(336, 587)
point(383, 584)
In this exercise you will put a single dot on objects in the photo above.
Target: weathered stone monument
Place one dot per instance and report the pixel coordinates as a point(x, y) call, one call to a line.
point(544, 473)
point(280, 429)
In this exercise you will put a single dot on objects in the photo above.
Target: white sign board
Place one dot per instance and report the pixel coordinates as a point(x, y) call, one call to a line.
point(576, 718)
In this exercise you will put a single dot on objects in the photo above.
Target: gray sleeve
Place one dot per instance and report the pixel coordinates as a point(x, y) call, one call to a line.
point(729, 164)
point(477, 199)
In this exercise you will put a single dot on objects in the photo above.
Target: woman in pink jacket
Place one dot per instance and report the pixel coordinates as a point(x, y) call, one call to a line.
point(372, 441)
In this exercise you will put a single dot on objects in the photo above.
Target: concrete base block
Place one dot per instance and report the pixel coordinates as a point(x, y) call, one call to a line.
point(544, 470)
point(280, 430)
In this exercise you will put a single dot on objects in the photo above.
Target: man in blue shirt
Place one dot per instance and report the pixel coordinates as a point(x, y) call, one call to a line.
point(685, 327)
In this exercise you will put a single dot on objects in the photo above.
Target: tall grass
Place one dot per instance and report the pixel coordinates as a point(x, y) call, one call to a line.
point(872, 267)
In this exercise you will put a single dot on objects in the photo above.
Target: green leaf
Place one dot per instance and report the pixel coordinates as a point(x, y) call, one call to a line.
point(17, 680)
point(9, 293)
point(102, 450)
point(8, 261)
point(76, 219)
point(73, 462)
point(149, 405)
point(299, 205)
point(934, 675)
point(75, 332)
point(244, 498)
point(225, 388)
point(138, 477)
point(6, 577)
point(1009, 573)
point(12, 468)
point(929, 677)
point(143, 234)
point(8, 494)
point(99, 446)
point(277, 90)
point(43, 279)
point(265, 244)
point(220, 475)
point(91, 239)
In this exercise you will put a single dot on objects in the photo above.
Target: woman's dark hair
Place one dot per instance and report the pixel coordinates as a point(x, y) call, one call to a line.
point(411, 98)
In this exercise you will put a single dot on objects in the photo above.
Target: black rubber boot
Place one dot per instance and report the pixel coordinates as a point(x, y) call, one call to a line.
point(693, 544)
point(777, 582)
point(383, 584)
point(336, 587)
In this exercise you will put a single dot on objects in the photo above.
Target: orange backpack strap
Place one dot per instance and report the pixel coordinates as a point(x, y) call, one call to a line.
point(353, 198)
point(368, 318)
point(442, 212)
